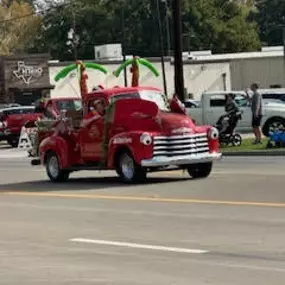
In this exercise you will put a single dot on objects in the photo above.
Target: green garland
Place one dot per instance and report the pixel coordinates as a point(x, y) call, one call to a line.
point(138, 61)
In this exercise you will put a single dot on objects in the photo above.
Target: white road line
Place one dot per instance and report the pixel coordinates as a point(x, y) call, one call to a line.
point(137, 245)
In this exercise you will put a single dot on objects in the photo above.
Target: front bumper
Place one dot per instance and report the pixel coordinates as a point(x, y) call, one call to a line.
point(181, 160)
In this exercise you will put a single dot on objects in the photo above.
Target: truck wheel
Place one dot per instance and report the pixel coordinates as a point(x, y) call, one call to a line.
point(129, 170)
point(53, 170)
point(201, 170)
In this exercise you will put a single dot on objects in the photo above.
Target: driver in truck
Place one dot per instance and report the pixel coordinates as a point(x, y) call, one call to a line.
point(97, 109)
point(100, 107)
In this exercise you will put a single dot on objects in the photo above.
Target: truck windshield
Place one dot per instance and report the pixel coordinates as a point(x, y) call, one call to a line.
point(155, 97)
point(70, 105)
point(150, 95)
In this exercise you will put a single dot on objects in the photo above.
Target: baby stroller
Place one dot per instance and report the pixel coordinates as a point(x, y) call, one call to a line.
point(226, 126)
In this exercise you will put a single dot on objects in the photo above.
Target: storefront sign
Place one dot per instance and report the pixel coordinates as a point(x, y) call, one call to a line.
point(27, 73)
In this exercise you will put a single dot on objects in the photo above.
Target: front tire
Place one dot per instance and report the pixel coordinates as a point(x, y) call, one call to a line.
point(54, 172)
point(128, 170)
point(201, 170)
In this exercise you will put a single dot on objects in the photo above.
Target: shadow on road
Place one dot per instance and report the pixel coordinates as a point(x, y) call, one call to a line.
point(78, 184)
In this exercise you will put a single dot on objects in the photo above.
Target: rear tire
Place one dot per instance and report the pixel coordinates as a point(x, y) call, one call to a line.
point(201, 170)
point(129, 171)
point(54, 172)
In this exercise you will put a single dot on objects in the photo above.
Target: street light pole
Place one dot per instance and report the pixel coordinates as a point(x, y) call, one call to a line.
point(161, 47)
point(178, 62)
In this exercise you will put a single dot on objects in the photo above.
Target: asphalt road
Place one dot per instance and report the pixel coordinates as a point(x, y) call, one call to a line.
point(227, 229)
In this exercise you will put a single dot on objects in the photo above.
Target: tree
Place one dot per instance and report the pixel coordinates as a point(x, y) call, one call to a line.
point(18, 26)
point(220, 25)
point(270, 17)
point(97, 23)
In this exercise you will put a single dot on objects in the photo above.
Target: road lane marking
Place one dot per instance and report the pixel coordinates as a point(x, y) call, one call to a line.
point(237, 266)
point(138, 245)
point(146, 199)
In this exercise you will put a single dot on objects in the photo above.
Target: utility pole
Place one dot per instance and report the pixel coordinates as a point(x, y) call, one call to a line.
point(178, 62)
point(167, 27)
point(161, 47)
point(124, 43)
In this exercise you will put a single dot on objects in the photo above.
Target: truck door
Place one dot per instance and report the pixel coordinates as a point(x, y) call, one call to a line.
point(92, 132)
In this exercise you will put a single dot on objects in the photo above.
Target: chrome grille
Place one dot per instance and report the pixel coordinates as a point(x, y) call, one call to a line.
point(180, 145)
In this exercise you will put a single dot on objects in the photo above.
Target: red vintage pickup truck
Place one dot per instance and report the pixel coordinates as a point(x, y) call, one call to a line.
point(140, 132)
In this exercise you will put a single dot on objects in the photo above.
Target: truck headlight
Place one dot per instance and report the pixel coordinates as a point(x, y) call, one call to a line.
point(146, 139)
point(213, 133)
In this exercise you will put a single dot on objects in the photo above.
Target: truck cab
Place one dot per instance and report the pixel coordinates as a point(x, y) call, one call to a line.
point(139, 131)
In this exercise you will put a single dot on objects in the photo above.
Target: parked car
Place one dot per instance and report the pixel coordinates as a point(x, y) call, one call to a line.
point(5, 106)
point(190, 103)
point(273, 94)
point(13, 119)
point(213, 106)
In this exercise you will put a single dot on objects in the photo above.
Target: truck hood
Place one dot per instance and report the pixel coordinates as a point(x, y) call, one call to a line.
point(175, 124)
point(141, 115)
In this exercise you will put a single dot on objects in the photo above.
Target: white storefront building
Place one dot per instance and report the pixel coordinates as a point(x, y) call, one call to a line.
point(202, 72)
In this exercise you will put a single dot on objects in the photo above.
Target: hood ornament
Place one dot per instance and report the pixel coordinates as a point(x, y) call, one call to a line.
point(182, 130)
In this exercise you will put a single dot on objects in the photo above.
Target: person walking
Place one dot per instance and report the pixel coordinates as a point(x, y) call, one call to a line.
point(257, 112)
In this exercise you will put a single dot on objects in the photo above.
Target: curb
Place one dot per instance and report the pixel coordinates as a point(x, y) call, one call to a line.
point(255, 153)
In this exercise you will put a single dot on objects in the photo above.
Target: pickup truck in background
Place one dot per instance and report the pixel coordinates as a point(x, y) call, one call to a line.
point(13, 119)
point(212, 106)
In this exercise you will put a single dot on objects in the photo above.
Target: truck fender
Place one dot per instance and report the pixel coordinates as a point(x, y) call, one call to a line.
point(129, 141)
point(57, 145)
point(121, 143)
